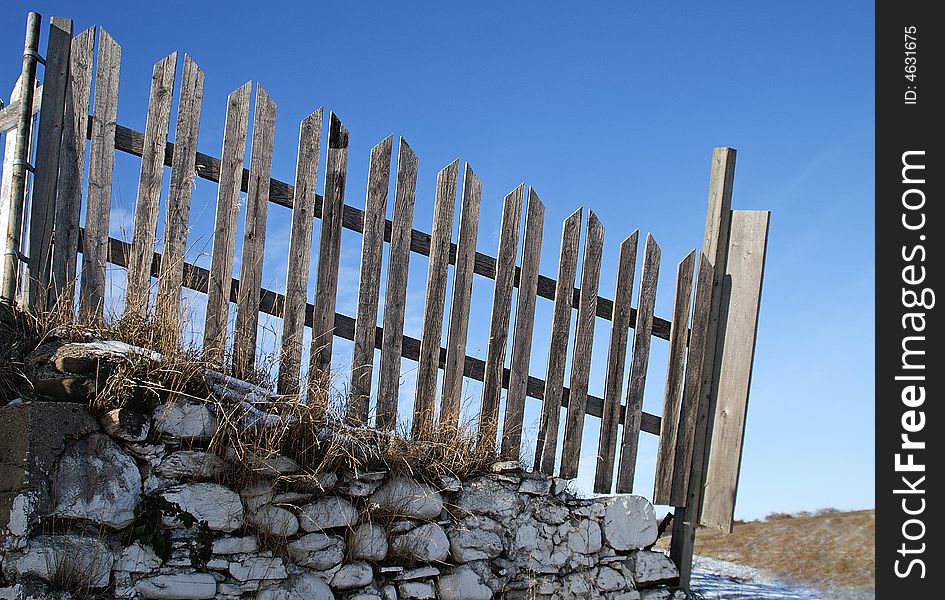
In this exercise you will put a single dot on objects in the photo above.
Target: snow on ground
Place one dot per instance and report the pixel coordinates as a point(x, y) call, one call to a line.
point(714, 579)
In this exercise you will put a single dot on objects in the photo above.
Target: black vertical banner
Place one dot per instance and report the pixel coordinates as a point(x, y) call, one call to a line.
point(910, 269)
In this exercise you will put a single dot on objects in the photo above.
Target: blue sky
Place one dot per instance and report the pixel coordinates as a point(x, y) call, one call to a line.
point(613, 106)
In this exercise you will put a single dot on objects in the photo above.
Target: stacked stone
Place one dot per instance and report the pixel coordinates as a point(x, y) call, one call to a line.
point(352, 536)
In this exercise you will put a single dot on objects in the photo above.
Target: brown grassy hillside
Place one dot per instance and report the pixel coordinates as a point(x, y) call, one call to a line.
point(831, 551)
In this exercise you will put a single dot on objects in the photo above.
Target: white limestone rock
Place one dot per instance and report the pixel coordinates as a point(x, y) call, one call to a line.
point(191, 464)
point(178, 586)
point(426, 543)
point(275, 520)
point(258, 567)
point(235, 545)
point(476, 538)
point(650, 567)
point(328, 513)
point(317, 551)
point(486, 496)
point(408, 499)
point(218, 506)
point(369, 542)
point(47, 555)
point(137, 558)
point(258, 494)
point(185, 420)
point(463, 584)
point(96, 481)
point(629, 522)
point(416, 590)
point(303, 586)
point(352, 576)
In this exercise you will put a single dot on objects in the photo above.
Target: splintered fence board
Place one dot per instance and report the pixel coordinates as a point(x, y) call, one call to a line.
point(583, 345)
point(460, 304)
point(672, 392)
point(616, 359)
point(372, 248)
point(101, 163)
point(230, 171)
point(546, 445)
point(147, 202)
point(395, 296)
point(300, 248)
point(741, 301)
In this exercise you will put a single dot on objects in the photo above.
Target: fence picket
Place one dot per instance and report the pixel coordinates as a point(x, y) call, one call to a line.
point(450, 402)
point(48, 152)
point(433, 308)
point(583, 344)
point(395, 296)
point(501, 313)
point(372, 248)
point(101, 163)
point(616, 363)
point(524, 328)
point(692, 389)
point(546, 446)
point(254, 234)
point(300, 248)
point(641, 357)
point(72, 169)
point(329, 251)
point(148, 201)
point(224, 226)
point(672, 399)
point(177, 217)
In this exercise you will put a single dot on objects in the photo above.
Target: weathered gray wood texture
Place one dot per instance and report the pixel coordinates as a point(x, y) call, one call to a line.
point(223, 252)
point(72, 170)
point(616, 363)
point(583, 345)
point(546, 446)
point(741, 301)
point(147, 203)
point(433, 308)
point(369, 287)
point(177, 215)
point(501, 313)
point(460, 305)
point(254, 234)
point(300, 248)
point(329, 253)
point(524, 328)
point(48, 153)
point(672, 391)
point(395, 296)
point(101, 163)
point(638, 366)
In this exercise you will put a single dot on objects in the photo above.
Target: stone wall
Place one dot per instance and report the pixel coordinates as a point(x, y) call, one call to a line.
point(132, 505)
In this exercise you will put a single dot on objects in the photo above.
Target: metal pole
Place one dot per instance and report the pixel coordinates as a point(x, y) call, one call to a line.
point(11, 253)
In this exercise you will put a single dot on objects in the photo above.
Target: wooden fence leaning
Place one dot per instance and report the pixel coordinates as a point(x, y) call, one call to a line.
point(711, 332)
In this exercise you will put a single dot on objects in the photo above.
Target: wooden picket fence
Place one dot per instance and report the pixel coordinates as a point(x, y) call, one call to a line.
point(710, 346)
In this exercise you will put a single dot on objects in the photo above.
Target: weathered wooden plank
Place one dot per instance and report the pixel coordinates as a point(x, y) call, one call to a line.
point(101, 163)
point(177, 217)
point(692, 390)
point(672, 391)
point(583, 344)
point(369, 288)
point(281, 193)
point(300, 248)
point(433, 308)
point(72, 170)
point(451, 400)
point(395, 296)
point(254, 234)
point(741, 301)
point(147, 203)
point(270, 303)
point(616, 362)
point(546, 446)
point(501, 313)
point(224, 227)
point(639, 363)
point(48, 151)
point(715, 248)
point(329, 252)
point(524, 329)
